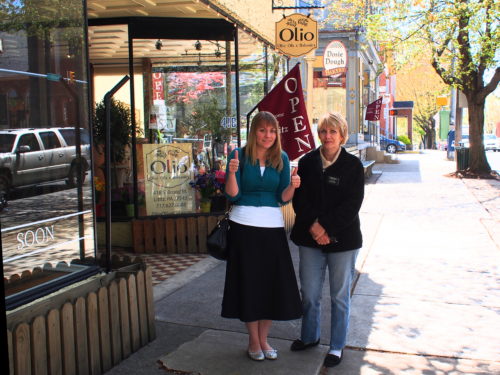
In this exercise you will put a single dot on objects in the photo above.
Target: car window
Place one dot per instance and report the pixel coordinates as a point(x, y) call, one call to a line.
point(69, 136)
point(29, 140)
point(50, 140)
point(7, 142)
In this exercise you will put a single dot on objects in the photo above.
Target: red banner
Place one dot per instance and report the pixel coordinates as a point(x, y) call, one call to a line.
point(373, 110)
point(158, 87)
point(286, 102)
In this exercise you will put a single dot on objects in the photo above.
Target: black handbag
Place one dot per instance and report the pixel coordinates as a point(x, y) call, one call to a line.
point(217, 239)
point(217, 245)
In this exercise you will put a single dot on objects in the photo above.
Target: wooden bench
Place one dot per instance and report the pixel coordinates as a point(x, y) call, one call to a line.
point(368, 166)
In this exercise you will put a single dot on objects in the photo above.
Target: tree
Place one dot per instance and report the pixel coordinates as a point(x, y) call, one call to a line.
point(418, 82)
point(464, 38)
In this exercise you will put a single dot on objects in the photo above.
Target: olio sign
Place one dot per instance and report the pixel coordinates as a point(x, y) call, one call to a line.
point(296, 35)
point(335, 58)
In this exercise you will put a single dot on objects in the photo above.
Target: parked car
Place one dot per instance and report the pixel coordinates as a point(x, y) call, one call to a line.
point(491, 142)
point(391, 145)
point(32, 156)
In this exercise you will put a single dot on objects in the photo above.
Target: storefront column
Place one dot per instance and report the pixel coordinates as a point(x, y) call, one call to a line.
point(310, 58)
point(352, 92)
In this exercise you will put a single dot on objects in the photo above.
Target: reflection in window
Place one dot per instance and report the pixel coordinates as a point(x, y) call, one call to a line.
point(45, 206)
point(7, 142)
point(30, 141)
point(50, 140)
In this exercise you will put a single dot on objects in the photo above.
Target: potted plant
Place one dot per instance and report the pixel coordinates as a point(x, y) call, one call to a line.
point(121, 135)
point(207, 185)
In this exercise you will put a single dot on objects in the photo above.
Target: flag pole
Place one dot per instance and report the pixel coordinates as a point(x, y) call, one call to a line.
point(254, 108)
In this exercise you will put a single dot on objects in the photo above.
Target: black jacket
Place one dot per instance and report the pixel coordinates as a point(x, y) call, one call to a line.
point(334, 197)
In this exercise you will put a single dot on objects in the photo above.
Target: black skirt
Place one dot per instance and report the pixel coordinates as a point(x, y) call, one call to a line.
point(260, 279)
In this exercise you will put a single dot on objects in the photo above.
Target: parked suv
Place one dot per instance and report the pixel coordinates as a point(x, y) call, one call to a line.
point(32, 156)
point(391, 145)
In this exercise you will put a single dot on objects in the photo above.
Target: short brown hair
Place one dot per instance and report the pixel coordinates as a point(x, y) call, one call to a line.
point(336, 121)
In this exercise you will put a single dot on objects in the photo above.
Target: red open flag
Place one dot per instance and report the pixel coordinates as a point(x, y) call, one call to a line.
point(286, 102)
point(373, 110)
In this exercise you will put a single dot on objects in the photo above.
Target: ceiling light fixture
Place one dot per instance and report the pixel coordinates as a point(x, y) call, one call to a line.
point(218, 53)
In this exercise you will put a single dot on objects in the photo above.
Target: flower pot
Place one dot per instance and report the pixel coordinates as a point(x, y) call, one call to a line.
point(205, 206)
point(130, 210)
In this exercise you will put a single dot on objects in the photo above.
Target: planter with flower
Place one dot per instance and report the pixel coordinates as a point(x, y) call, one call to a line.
point(207, 185)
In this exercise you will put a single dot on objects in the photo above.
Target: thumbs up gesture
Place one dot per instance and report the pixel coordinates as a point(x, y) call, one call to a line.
point(234, 164)
point(295, 179)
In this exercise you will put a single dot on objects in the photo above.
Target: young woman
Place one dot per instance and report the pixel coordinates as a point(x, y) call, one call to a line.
point(260, 281)
point(327, 231)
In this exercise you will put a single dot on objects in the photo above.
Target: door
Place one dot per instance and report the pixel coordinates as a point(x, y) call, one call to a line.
point(59, 157)
point(31, 163)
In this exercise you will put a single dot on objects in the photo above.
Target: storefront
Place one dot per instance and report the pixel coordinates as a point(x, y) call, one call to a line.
point(348, 86)
point(193, 80)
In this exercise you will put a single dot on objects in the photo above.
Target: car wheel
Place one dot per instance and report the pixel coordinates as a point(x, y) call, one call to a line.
point(391, 149)
point(72, 180)
point(4, 191)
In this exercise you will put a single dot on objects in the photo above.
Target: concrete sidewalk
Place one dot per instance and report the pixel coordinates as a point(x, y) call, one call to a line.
point(427, 299)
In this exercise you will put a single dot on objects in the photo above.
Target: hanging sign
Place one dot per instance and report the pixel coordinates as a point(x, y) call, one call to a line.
point(157, 82)
point(373, 110)
point(167, 171)
point(296, 35)
point(286, 102)
point(335, 58)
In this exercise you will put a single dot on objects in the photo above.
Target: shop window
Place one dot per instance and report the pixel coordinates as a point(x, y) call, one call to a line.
point(329, 93)
point(45, 196)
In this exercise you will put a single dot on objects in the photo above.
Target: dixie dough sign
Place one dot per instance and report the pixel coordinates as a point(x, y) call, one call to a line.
point(296, 35)
point(335, 58)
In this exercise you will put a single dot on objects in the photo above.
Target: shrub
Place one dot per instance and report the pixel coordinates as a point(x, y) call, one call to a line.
point(404, 139)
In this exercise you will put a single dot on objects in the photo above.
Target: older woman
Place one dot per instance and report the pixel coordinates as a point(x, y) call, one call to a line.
point(260, 281)
point(327, 231)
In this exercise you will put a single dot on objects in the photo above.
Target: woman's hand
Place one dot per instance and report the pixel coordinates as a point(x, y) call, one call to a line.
point(290, 189)
point(295, 179)
point(317, 230)
point(231, 187)
point(234, 164)
point(323, 240)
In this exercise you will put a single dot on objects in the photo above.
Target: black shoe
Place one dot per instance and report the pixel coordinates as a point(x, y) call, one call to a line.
point(300, 345)
point(332, 360)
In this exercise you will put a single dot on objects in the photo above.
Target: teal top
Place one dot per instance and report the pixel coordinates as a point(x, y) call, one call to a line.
point(259, 190)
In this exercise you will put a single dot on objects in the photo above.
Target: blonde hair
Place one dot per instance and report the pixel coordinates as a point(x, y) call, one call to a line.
point(273, 157)
point(336, 121)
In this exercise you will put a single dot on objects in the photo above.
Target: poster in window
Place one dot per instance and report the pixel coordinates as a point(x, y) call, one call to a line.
point(168, 171)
